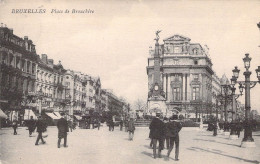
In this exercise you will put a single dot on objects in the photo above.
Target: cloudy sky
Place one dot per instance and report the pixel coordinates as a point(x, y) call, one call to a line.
point(114, 41)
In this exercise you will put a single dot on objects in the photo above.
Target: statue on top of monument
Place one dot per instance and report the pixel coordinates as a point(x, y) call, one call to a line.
point(157, 35)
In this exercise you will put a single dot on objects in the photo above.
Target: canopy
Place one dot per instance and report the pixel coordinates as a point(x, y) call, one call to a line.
point(53, 116)
point(28, 113)
point(57, 114)
point(78, 117)
point(2, 114)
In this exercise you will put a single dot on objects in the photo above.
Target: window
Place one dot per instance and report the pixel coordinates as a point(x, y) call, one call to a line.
point(195, 77)
point(195, 62)
point(195, 93)
point(176, 62)
point(195, 51)
point(176, 94)
point(177, 50)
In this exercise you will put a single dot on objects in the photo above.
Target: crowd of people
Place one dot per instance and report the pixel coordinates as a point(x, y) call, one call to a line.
point(165, 130)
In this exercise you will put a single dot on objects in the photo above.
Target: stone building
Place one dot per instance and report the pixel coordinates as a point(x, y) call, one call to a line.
point(186, 74)
point(18, 60)
point(50, 81)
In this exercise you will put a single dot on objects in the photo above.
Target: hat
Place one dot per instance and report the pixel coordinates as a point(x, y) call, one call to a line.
point(174, 117)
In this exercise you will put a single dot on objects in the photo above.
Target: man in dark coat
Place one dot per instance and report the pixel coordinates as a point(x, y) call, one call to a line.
point(174, 128)
point(41, 127)
point(15, 125)
point(62, 125)
point(157, 132)
point(31, 126)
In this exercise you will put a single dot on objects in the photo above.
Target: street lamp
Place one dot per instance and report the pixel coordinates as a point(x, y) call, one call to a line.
point(248, 140)
point(233, 134)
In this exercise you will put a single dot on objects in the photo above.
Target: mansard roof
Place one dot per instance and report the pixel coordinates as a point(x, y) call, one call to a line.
point(177, 37)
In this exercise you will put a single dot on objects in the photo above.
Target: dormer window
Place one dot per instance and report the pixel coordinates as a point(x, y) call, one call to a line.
point(177, 50)
point(195, 51)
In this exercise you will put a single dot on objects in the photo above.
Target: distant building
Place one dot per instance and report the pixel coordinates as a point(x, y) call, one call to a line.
point(188, 79)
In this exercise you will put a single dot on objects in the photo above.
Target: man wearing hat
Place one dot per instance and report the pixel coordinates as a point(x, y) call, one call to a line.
point(41, 127)
point(63, 128)
point(157, 130)
point(174, 128)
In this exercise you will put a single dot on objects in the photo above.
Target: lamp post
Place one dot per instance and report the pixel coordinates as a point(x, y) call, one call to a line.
point(233, 134)
point(225, 89)
point(248, 140)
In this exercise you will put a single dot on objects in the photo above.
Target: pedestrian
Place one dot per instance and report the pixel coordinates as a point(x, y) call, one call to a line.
point(174, 129)
point(121, 124)
point(62, 125)
point(98, 123)
point(215, 128)
point(131, 129)
point(167, 135)
point(41, 127)
point(15, 125)
point(31, 126)
point(238, 128)
point(70, 125)
point(126, 125)
point(157, 132)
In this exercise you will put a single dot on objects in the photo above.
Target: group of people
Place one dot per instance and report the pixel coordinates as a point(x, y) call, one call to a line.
point(165, 130)
point(41, 126)
point(129, 126)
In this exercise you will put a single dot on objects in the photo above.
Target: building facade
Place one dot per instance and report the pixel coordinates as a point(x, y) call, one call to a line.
point(186, 74)
point(18, 60)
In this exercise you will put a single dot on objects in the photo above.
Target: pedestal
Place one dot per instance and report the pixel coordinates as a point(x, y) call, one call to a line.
point(233, 137)
point(246, 144)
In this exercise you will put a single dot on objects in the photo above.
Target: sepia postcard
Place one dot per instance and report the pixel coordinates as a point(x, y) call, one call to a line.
point(129, 81)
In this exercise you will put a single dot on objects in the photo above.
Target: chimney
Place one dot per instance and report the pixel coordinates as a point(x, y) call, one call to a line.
point(2, 25)
point(45, 58)
point(26, 38)
point(11, 30)
point(50, 61)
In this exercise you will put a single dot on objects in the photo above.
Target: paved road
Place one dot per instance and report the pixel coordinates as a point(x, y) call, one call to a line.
point(102, 147)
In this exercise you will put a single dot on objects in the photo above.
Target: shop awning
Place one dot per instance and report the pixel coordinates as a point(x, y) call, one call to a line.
point(28, 113)
point(51, 115)
point(57, 114)
point(78, 117)
point(2, 114)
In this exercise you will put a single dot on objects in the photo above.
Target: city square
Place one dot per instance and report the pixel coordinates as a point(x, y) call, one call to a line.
point(102, 146)
point(157, 82)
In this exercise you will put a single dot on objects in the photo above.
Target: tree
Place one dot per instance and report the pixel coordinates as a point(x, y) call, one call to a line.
point(139, 105)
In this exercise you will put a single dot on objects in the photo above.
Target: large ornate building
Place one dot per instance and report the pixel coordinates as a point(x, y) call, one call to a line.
point(185, 72)
point(18, 60)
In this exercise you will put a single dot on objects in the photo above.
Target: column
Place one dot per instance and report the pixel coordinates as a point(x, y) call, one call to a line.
point(169, 97)
point(188, 88)
point(183, 88)
point(164, 83)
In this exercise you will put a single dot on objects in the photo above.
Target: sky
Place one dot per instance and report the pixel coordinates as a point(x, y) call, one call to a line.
point(113, 42)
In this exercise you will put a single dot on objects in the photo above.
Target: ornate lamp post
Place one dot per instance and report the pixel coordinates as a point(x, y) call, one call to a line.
point(233, 134)
point(225, 89)
point(248, 140)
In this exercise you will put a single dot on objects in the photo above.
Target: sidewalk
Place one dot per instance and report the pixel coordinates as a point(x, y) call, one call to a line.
point(99, 147)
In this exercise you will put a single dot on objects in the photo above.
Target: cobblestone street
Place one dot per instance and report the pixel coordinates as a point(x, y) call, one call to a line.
point(93, 146)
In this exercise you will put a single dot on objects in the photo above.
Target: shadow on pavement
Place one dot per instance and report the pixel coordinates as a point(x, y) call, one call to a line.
point(148, 154)
point(214, 152)
point(217, 142)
